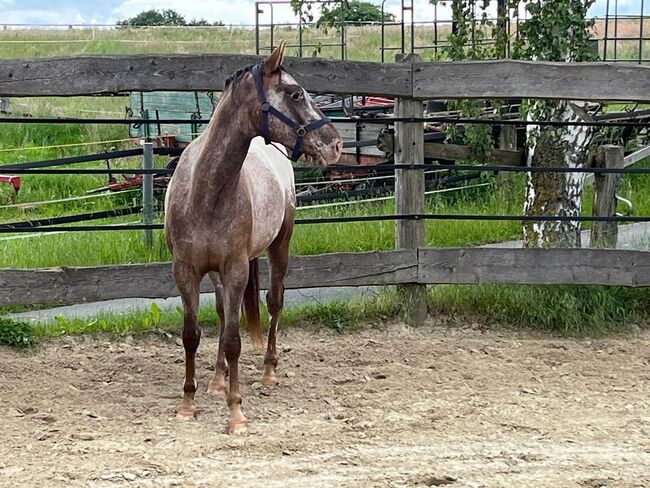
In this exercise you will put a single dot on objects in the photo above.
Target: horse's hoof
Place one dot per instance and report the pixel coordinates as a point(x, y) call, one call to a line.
point(269, 381)
point(187, 413)
point(217, 390)
point(239, 427)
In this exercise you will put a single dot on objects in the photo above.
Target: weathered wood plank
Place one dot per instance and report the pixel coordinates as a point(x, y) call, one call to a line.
point(605, 234)
point(535, 266)
point(456, 152)
point(409, 199)
point(74, 285)
point(637, 156)
point(531, 79)
point(96, 75)
point(104, 74)
point(628, 160)
point(436, 266)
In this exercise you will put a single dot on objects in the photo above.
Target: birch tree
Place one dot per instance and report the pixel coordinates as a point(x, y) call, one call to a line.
point(558, 30)
point(555, 30)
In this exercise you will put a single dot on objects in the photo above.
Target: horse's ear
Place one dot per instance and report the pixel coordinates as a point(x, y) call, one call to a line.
point(272, 64)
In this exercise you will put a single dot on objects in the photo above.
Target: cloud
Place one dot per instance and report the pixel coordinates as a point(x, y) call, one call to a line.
point(42, 17)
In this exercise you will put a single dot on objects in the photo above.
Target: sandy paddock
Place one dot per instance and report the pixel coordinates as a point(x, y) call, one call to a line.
point(394, 407)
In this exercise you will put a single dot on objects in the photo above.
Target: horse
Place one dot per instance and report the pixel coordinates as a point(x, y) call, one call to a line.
point(231, 198)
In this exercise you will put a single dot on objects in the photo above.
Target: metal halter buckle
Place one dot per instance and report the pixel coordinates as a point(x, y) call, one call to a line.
point(301, 131)
point(265, 106)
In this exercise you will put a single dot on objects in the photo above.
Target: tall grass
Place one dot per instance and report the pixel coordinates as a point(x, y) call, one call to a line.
point(76, 249)
point(576, 311)
point(339, 316)
point(362, 43)
point(572, 310)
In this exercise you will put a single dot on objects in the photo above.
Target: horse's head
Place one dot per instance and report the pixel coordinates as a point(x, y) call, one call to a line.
point(285, 113)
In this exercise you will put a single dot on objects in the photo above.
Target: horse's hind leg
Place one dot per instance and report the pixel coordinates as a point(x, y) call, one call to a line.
point(188, 281)
point(278, 257)
point(217, 385)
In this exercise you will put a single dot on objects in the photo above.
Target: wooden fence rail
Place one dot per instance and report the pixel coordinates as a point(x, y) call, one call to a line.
point(105, 75)
point(423, 266)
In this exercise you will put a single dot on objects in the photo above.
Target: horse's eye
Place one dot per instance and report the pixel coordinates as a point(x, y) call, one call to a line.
point(296, 96)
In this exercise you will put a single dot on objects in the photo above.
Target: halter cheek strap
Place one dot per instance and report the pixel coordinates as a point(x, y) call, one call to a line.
point(267, 108)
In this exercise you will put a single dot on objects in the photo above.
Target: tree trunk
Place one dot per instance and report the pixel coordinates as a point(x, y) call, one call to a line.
point(557, 193)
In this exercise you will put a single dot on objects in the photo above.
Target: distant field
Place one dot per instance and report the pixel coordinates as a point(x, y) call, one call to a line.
point(363, 43)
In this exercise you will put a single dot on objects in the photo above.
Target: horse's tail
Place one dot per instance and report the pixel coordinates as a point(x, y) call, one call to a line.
point(252, 303)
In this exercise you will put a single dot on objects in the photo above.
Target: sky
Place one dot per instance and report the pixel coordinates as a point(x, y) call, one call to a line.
point(236, 12)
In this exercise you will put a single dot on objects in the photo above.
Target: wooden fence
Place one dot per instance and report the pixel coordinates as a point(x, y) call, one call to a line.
point(410, 81)
point(422, 266)
point(108, 75)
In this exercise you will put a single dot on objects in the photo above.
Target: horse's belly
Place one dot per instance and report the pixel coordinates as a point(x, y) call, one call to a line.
point(267, 221)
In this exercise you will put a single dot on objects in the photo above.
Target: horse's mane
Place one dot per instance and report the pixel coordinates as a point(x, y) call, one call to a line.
point(232, 80)
point(236, 76)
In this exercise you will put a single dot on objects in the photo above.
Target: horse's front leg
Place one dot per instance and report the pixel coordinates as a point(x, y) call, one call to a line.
point(188, 281)
point(234, 280)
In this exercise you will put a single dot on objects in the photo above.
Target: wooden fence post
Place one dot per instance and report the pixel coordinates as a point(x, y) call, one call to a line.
point(605, 234)
point(409, 198)
point(147, 192)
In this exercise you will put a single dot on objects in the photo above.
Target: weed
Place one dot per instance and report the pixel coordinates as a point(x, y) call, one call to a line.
point(16, 334)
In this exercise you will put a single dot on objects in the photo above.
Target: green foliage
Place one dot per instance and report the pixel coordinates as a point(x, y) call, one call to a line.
point(203, 23)
point(338, 315)
point(353, 12)
point(16, 334)
point(165, 17)
point(557, 30)
point(139, 322)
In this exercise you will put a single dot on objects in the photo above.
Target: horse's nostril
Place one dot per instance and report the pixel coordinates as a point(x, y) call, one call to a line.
point(338, 146)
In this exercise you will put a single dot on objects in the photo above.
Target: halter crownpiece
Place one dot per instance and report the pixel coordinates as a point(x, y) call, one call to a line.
point(267, 108)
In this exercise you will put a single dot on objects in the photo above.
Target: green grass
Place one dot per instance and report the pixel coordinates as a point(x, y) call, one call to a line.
point(570, 310)
point(504, 197)
point(576, 311)
point(362, 43)
point(78, 249)
point(339, 316)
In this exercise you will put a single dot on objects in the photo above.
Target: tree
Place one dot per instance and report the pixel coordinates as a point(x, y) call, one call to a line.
point(556, 30)
point(353, 12)
point(154, 18)
point(203, 23)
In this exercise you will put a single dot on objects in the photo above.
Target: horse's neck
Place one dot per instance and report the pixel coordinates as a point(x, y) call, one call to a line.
point(225, 145)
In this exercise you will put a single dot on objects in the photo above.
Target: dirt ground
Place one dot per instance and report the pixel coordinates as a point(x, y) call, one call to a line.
point(395, 407)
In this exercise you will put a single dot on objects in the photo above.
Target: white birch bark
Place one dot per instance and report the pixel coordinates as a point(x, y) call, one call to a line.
point(557, 193)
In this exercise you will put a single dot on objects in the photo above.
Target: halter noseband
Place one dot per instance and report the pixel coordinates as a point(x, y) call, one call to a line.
point(267, 108)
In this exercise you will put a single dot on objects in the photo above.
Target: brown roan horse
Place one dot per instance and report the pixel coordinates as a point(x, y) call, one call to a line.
point(231, 198)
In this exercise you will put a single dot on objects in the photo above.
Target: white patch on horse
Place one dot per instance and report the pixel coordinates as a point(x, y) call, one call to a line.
point(278, 100)
point(271, 199)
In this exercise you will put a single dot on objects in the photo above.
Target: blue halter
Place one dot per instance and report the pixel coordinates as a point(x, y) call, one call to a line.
point(267, 108)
